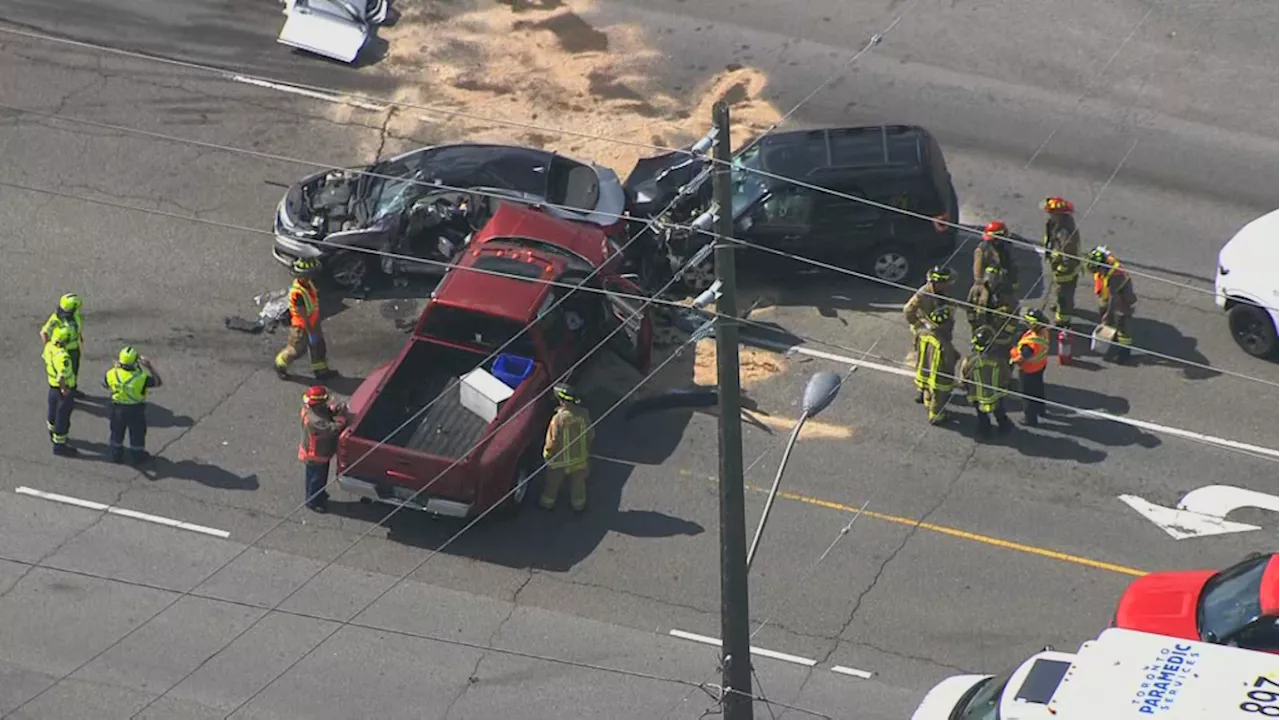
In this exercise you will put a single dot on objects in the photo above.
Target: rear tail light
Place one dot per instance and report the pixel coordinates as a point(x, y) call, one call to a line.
point(941, 223)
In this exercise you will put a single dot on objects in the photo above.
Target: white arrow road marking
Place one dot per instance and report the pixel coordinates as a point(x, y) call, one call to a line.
point(1203, 511)
point(122, 512)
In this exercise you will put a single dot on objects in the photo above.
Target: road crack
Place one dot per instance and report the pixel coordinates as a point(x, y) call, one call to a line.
point(473, 677)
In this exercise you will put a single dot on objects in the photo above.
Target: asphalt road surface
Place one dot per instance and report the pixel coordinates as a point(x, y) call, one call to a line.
point(967, 557)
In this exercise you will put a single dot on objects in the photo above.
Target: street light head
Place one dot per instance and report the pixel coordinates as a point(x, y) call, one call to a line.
point(819, 393)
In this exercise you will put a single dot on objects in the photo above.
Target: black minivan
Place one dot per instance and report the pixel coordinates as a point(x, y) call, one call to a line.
point(899, 166)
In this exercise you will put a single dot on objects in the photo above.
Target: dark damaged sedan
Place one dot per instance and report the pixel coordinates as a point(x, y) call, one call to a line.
point(425, 204)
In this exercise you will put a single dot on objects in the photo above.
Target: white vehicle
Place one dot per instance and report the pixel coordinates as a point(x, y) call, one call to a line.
point(1121, 675)
point(333, 28)
point(1248, 284)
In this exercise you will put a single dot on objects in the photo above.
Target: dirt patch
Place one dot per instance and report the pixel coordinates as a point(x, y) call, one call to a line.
point(754, 365)
point(545, 63)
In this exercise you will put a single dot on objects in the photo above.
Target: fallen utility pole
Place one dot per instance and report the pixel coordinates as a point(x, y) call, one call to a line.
point(735, 623)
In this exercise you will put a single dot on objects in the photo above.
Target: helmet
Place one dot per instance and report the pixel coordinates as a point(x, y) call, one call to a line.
point(60, 336)
point(1099, 255)
point(305, 266)
point(940, 315)
point(994, 229)
point(564, 391)
point(69, 302)
point(941, 274)
point(1057, 205)
point(128, 355)
point(1036, 317)
point(983, 337)
point(316, 395)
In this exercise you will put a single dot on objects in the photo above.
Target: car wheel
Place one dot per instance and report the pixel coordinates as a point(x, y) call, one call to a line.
point(699, 277)
point(349, 270)
point(892, 264)
point(1253, 330)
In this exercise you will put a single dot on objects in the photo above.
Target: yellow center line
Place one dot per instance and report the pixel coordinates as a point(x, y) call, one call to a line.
point(953, 532)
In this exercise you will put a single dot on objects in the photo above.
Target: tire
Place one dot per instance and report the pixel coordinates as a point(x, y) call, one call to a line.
point(699, 278)
point(349, 270)
point(1253, 330)
point(510, 506)
point(892, 264)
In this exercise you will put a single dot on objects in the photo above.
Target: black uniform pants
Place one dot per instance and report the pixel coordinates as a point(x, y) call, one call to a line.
point(58, 417)
point(131, 419)
point(1032, 385)
point(75, 361)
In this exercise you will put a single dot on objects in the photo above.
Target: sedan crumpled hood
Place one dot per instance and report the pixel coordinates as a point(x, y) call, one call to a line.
point(1163, 603)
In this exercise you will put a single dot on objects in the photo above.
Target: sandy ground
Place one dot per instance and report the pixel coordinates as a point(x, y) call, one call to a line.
point(544, 65)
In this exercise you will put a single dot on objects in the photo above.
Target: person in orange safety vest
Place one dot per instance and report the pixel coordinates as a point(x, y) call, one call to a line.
point(322, 423)
point(304, 323)
point(1031, 357)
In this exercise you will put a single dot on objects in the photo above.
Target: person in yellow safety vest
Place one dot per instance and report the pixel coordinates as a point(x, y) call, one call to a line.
point(304, 323)
point(986, 379)
point(62, 385)
point(129, 380)
point(1031, 357)
point(1062, 252)
point(935, 364)
point(1116, 298)
point(67, 315)
point(992, 304)
point(928, 298)
point(567, 451)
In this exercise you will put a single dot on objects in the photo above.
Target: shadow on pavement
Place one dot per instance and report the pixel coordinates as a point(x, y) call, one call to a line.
point(1166, 339)
point(158, 416)
point(560, 539)
point(161, 468)
point(1032, 442)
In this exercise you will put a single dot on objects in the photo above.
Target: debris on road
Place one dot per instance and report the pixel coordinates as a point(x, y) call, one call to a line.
point(274, 311)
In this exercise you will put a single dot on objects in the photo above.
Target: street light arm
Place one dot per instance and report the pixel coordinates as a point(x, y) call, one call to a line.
point(773, 491)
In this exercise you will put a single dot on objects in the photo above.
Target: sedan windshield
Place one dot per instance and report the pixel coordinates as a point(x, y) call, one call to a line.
point(984, 701)
point(1231, 599)
point(397, 185)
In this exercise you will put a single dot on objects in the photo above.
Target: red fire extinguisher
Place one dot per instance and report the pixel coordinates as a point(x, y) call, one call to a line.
point(1064, 347)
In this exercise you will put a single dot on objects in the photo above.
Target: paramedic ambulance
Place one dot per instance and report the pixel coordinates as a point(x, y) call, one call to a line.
point(1122, 675)
point(1248, 284)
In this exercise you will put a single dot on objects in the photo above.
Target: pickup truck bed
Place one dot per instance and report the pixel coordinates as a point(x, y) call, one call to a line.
point(446, 429)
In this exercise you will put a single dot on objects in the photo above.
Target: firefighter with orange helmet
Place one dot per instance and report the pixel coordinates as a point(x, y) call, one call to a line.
point(1062, 252)
point(322, 422)
point(993, 251)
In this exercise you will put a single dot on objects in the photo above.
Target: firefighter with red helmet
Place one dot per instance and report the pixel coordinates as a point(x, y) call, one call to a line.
point(993, 251)
point(1062, 252)
point(322, 422)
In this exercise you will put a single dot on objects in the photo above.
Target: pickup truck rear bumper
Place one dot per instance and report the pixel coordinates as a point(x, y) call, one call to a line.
point(435, 506)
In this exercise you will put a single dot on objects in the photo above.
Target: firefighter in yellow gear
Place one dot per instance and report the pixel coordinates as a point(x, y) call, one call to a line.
point(1116, 298)
point(994, 250)
point(930, 296)
point(67, 315)
point(992, 304)
point(986, 381)
point(567, 451)
point(935, 363)
point(305, 332)
point(1062, 253)
point(61, 401)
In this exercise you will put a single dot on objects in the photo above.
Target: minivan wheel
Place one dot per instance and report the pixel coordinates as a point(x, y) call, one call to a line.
point(1253, 330)
point(891, 264)
point(699, 277)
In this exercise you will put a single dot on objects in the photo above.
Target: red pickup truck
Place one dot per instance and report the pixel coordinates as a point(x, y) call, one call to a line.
point(448, 460)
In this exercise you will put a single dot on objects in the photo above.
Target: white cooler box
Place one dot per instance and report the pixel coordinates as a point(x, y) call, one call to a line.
point(483, 394)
